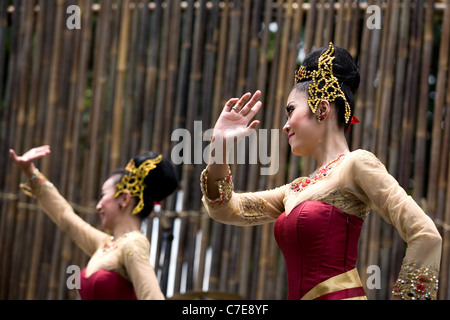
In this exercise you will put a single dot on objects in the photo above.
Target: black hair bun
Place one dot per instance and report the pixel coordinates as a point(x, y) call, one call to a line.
point(344, 67)
point(160, 182)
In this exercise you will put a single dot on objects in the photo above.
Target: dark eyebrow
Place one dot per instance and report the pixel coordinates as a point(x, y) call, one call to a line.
point(288, 105)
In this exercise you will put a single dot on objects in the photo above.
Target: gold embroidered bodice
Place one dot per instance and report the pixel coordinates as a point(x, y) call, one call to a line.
point(354, 183)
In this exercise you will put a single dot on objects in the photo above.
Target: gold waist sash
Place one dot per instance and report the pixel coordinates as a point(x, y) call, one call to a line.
point(343, 281)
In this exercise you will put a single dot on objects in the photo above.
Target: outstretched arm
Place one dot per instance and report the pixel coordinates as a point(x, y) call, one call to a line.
point(368, 179)
point(57, 208)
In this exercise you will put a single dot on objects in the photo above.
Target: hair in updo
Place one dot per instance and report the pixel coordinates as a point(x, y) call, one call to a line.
point(160, 182)
point(344, 69)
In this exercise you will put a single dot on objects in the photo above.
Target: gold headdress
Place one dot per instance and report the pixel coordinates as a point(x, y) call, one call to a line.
point(134, 180)
point(324, 86)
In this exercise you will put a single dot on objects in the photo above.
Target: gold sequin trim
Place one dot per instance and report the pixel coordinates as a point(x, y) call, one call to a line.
point(417, 283)
point(253, 210)
point(225, 187)
point(346, 202)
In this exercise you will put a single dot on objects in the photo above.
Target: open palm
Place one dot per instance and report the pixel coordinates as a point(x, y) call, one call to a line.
point(25, 161)
point(233, 122)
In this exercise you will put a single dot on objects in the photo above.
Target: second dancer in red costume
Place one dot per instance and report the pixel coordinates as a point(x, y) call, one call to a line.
point(318, 218)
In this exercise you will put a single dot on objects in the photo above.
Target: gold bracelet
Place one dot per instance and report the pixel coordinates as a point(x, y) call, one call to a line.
point(224, 185)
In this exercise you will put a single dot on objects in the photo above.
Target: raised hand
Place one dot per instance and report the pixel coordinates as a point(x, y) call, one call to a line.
point(232, 125)
point(233, 122)
point(25, 162)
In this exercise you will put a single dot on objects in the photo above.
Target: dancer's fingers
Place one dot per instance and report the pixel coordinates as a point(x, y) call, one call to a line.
point(13, 155)
point(251, 103)
point(229, 104)
point(254, 124)
point(239, 105)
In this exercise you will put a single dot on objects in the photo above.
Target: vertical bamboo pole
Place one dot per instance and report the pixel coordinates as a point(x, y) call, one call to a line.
point(329, 22)
point(444, 159)
point(266, 68)
point(210, 57)
point(64, 129)
point(29, 140)
point(119, 85)
point(184, 66)
point(370, 88)
point(411, 95)
point(320, 25)
point(172, 75)
point(111, 61)
point(397, 252)
point(310, 23)
point(217, 236)
point(129, 127)
point(245, 263)
point(219, 100)
point(24, 51)
point(277, 68)
point(181, 252)
point(443, 200)
point(421, 132)
point(436, 139)
point(3, 29)
point(194, 99)
point(162, 80)
point(387, 82)
point(297, 28)
point(360, 99)
point(379, 93)
point(225, 258)
point(253, 80)
point(151, 77)
point(339, 33)
point(139, 91)
point(241, 80)
point(444, 276)
point(52, 101)
point(205, 223)
point(400, 70)
point(354, 31)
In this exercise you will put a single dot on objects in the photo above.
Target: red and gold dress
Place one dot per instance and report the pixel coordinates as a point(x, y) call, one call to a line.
point(318, 222)
point(118, 269)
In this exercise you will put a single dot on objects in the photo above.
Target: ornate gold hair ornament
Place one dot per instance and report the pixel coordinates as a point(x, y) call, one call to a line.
point(324, 86)
point(134, 180)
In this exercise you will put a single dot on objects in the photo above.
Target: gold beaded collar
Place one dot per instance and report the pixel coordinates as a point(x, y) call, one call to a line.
point(134, 180)
point(324, 85)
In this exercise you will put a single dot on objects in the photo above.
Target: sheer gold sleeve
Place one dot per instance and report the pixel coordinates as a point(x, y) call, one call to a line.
point(242, 208)
point(62, 214)
point(367, 178)
point(135, 252)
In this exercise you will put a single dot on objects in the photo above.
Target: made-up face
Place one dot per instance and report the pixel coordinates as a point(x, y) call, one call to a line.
point(301, 125)
point(108, 207)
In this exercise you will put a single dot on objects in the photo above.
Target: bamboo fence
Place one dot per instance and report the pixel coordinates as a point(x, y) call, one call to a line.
point(138, 70)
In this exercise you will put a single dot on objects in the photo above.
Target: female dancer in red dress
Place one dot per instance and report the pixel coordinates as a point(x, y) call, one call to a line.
point(119, 268)
point(319, 218)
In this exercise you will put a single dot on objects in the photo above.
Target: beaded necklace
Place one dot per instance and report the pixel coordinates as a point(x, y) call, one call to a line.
point(112, 242)
point(322, 173)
